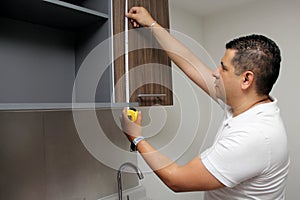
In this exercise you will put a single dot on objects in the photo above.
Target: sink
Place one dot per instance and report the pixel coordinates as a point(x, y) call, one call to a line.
point(136, 193)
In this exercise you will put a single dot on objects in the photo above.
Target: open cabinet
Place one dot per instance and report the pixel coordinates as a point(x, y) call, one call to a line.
point(45, 42)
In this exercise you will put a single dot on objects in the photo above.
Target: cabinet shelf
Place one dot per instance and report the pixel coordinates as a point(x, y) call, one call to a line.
point(52, 13)
point(76, 8)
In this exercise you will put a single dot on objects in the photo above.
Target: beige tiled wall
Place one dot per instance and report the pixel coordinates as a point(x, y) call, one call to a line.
point(42, 157)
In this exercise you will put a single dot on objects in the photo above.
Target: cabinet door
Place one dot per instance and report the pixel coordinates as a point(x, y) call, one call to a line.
point(150, 74)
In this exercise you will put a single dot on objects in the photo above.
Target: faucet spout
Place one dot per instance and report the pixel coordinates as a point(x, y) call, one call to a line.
point(119, 176)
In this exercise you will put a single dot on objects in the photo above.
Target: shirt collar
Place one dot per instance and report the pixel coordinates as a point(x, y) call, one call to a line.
point(269, 107)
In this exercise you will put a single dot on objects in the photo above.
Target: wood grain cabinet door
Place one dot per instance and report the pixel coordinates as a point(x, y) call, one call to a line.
point(150, 74)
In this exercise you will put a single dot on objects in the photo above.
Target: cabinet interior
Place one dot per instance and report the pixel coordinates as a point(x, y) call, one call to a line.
point(44, 42)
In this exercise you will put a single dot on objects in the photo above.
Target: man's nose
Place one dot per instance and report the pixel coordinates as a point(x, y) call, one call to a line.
point(216, 73)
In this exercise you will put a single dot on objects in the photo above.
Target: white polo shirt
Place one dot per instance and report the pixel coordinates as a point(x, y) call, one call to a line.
point(250, 155)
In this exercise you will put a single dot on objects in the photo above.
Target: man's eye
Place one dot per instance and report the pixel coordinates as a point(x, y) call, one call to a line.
point(223, 67)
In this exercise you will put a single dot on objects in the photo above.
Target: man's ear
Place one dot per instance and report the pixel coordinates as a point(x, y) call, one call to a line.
point(247, 80)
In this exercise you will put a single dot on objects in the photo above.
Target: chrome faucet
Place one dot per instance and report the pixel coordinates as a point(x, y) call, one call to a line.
point(119, 176)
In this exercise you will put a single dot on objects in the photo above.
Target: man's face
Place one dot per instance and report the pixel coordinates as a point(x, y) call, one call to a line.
point(227, 82)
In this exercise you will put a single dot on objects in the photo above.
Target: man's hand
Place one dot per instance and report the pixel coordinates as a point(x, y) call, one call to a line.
point(131, 129)
point(139, 16)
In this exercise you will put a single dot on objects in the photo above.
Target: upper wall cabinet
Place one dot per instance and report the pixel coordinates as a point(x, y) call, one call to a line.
point(149, 68)
point(48, 45)
point(44, 44)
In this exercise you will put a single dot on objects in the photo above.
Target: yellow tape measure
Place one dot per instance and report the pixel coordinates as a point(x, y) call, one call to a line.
point(132, 114)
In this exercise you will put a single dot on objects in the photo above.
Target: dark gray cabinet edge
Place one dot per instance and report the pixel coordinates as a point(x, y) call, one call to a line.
point(62, 106)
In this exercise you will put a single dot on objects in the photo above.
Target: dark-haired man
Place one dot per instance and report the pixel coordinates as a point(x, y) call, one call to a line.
point(249, 158)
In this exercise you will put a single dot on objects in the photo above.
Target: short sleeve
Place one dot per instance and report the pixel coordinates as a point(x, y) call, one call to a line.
point(236, 157)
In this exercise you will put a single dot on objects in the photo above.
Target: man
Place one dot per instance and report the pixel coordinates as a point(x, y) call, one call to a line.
point(249, 158)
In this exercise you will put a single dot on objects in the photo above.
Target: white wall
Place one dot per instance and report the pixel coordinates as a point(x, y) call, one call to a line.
point(280, 21)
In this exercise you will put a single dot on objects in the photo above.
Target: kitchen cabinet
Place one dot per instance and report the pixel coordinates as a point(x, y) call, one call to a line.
point(45, 43)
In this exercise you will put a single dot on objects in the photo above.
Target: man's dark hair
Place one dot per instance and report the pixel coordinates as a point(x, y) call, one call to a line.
point(260, 55)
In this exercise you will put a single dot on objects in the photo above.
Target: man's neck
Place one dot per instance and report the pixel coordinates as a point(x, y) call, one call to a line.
point(248, 103)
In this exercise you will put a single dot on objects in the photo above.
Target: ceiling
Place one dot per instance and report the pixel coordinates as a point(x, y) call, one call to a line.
point(206, 7)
